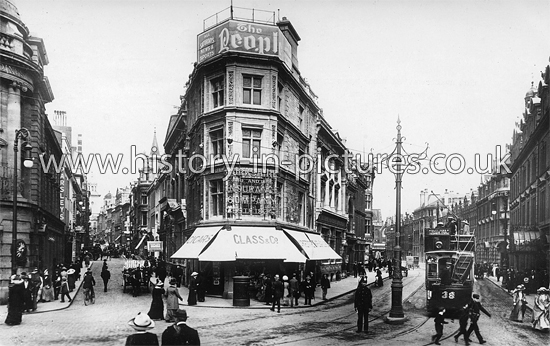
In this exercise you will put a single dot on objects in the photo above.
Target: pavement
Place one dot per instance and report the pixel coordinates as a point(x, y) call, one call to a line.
point(529, 297)
point(336, 290)
point(57, 305)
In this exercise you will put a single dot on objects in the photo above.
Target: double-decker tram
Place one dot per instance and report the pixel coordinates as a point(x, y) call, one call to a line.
point(449, 259)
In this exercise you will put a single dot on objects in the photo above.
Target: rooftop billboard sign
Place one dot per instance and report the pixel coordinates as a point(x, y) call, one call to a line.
point(245, 37)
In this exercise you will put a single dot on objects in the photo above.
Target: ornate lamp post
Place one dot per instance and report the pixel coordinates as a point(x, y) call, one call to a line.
point(504, 256)
point(397, 316)
point(23, 134)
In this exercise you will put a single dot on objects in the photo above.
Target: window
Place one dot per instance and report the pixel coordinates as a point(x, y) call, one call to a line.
point(251, 190)
point(144, 218)
point(280, 97)
point(252, 140)
point(300, 210)
point(216, 138)
point(216, 194)
point(252, 90)
point(217, 92)
point(300, 116)
point(280, 200)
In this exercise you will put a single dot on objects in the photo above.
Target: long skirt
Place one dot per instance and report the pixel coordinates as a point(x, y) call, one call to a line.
point(156, 312)
point(72, 280)
point(540, 319)
point(192, 299)
point(15, 313)
point(47, 294)
point(515, 314)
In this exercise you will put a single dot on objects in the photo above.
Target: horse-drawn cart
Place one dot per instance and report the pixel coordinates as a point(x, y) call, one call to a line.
point(133, 271)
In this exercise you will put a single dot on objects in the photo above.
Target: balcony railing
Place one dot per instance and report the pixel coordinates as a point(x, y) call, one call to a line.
point(240, 13)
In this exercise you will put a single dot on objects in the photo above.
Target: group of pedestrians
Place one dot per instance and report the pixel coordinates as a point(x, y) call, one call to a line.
point(469, 313)
point(26, 291)
point(540, 320)
point(177, 334)
point(285, 291)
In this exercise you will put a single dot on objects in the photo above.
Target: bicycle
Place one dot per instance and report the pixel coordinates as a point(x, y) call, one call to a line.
point(89, 298)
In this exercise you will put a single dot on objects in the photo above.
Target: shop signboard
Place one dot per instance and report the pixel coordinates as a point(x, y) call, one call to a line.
point(154, 246)
point(245, 37)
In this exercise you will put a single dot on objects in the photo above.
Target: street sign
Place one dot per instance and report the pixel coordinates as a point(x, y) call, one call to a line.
point(154, 246)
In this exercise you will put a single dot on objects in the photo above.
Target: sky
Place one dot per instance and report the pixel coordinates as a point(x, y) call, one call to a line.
point(455, 73)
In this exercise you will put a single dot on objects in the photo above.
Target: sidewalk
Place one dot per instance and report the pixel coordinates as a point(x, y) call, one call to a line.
point(56, 305)
point(530, 298)
point(336, 290)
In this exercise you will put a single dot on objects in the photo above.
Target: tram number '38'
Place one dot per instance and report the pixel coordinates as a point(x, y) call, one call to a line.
point(447, 295)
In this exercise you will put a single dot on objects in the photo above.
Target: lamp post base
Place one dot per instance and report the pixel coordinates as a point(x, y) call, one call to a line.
point(395, 320)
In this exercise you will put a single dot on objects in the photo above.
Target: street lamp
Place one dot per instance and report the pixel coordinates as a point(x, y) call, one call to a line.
point(504, 256)
point(397, 316)
point(23, 134)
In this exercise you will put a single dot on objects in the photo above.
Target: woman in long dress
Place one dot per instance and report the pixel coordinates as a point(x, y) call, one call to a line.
point(15, 301)
point(286, 291)
point(541, 320)
point(157, 305)
point(519, 304)
point(47, 290)
point(172, 301)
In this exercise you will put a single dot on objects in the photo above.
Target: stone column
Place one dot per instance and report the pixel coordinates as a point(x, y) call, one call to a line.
point(14, 123)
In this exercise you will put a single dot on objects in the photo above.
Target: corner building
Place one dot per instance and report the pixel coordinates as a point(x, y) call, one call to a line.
point(24, 93)
point(247, 105)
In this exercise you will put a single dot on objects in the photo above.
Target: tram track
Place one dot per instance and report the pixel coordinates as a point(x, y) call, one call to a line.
point(383, 298)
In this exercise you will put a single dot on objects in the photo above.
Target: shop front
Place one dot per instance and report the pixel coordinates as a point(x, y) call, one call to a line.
point(322, 259)
point(224, 253)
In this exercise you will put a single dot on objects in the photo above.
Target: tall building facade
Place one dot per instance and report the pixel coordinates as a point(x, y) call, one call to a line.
point(247, 117)
point(24, 125)
point(530, 181)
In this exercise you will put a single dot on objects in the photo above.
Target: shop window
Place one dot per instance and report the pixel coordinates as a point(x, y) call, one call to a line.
point(300, 210)
point(252, 90)
point(216, 196)
point(280, 200)
point(252, 140)
point(251, 204)
point(217, 92)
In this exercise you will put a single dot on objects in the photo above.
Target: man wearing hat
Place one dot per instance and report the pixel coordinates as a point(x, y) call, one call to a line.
point(475, 308)
point(180, 333)
point(445, 275)
point(363, 305)
point(141, 324)
point(89, 282)
point(192, 298)
point(278, 289)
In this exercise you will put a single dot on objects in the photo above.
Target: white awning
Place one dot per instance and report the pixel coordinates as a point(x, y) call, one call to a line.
point(315, 247)
point(197, 242)
point(252, 243)
point(140, 242)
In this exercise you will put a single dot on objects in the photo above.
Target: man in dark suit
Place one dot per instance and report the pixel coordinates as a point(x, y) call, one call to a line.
point(278, 289)
point(180, 333)
point(363, 305)
point(476, 308)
